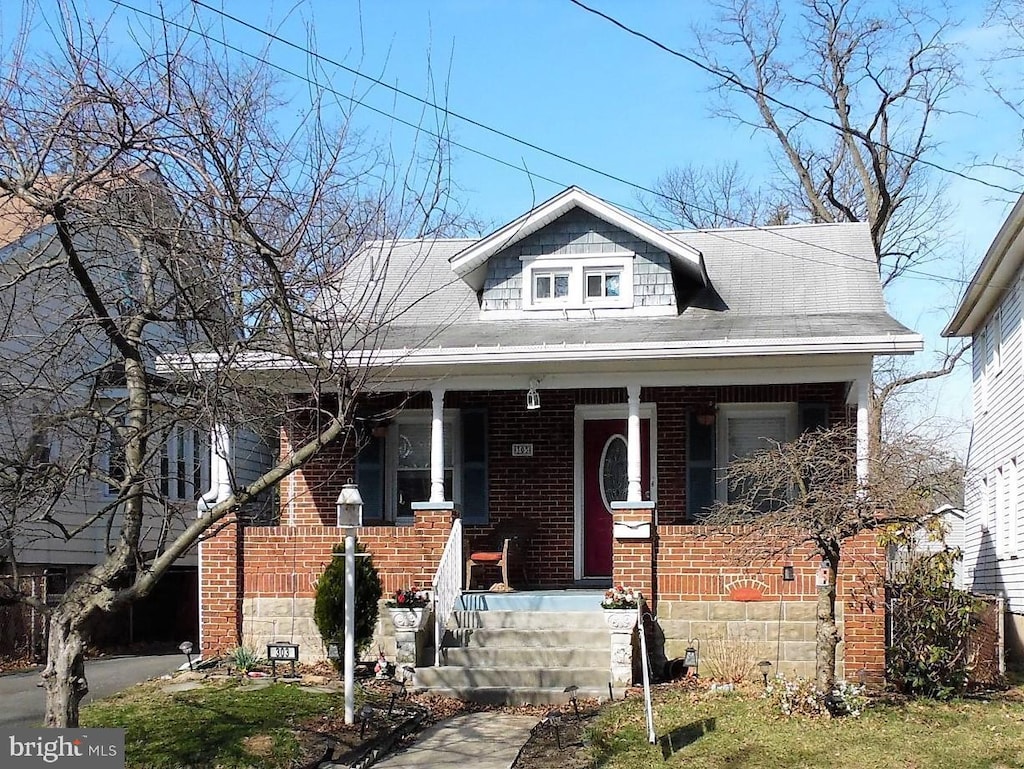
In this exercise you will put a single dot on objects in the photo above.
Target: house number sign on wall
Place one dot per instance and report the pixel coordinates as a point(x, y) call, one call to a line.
point(522, 449)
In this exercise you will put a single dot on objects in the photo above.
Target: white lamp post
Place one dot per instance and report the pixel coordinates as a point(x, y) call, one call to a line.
point(350, 516)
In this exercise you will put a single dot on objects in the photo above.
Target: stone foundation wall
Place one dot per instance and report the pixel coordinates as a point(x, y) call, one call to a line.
point(265, 620)
point(782, 633)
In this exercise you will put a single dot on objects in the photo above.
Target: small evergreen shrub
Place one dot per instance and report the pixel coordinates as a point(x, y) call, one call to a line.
point(329, 608)
point(932, 623)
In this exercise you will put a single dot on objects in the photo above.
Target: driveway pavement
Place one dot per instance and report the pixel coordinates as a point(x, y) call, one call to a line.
point(22, 702)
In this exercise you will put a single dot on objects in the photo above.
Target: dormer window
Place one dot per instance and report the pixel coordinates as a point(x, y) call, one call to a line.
point(578, 282)
point(603, 284)
point(551, 286)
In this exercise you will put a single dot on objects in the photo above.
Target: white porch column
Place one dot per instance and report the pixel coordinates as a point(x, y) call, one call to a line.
point(863, 403)
point(437, 445)
point(634, 492)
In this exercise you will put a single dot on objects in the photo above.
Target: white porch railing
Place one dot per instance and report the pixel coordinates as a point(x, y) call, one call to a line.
point(447, 585)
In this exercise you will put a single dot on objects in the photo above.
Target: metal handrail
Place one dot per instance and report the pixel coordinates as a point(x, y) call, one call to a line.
point(447, 584)
point(646, 672)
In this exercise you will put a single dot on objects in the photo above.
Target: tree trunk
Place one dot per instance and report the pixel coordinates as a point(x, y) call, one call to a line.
point(64, 676)
point(827, 634)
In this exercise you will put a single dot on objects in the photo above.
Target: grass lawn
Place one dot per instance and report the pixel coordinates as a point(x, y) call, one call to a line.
point(226, 725)
point(700, 730)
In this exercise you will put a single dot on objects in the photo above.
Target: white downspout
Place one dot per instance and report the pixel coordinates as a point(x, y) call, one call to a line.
point(220, 489)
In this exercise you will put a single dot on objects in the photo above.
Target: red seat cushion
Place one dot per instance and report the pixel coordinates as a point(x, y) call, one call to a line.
point(485, 557)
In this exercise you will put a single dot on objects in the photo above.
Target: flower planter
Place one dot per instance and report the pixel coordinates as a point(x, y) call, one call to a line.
point(621, 624)
point(620, 620)
point(409, 620)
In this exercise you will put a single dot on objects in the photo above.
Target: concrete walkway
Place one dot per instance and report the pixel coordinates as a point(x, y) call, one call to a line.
point(476, 740)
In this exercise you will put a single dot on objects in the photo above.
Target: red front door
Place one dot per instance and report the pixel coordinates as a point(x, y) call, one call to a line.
point(605, 481)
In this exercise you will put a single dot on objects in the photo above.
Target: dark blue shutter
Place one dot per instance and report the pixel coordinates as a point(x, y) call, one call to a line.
point(474, 466)
point(370, 478)
point(700, 468)
point(813, 416)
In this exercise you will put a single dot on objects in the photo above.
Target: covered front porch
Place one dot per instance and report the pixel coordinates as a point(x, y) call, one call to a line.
point(611, 480)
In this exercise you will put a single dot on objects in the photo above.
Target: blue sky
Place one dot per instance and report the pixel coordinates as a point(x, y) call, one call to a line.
point(550, 73)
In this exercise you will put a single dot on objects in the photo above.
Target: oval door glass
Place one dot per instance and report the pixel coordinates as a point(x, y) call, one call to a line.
point(614, 471)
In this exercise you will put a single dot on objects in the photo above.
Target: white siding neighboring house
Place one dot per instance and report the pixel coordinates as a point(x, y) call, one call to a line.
point(49, 363)
point(990, 314)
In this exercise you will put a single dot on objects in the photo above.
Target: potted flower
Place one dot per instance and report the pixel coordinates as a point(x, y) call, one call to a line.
point(408, 608)
point(620, 608)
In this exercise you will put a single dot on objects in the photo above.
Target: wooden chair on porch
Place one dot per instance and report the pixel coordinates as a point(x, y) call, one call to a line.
point(510, 540)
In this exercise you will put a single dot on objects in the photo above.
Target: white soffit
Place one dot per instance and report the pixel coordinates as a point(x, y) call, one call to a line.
point(994, 275)
point(467, 263)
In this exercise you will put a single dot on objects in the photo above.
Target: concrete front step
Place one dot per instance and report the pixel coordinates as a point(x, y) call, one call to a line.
point(538, 639)
point(512, 677)
point(500, 695)
point(542, 657)
point(529, 620)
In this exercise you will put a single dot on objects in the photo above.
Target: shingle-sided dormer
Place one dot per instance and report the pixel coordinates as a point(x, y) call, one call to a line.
point(576, 255)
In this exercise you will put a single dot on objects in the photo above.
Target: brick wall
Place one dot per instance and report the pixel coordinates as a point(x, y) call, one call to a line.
point(541, 487)
point(280, 562)
point(716, 573)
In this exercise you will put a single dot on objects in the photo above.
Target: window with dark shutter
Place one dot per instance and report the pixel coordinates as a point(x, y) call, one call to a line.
point(813, 416)
point(370, 477)
point(700, 468)
point(474, 466)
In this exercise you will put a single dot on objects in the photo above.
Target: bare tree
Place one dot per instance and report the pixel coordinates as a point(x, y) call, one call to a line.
point(807, 492)
point(153, 205)
point(698, 197)
point(1002, 75)
point(847, 93)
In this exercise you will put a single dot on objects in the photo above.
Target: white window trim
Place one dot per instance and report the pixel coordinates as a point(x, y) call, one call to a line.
point(787, 410)
point(994, 334)
point(452, 436)
point(578, 266)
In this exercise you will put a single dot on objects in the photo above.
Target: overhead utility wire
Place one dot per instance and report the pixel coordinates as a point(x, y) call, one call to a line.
point(715, 232)
point(733, 80)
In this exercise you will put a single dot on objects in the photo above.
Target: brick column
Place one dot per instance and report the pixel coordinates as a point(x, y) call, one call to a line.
point(220, 590)
point(633, 546)
point(862, 592)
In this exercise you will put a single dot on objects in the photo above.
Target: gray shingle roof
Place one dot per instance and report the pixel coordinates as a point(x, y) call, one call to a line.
point(809, 281)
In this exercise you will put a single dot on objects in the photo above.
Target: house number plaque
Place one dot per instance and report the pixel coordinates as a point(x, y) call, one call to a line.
point(522, 449)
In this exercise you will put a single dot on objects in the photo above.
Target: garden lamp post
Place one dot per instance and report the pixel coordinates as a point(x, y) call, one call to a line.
point(350, 517)
point(765, 667)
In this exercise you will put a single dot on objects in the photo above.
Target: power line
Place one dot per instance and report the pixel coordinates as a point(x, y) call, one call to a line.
point(735, 81)
point(391, 116)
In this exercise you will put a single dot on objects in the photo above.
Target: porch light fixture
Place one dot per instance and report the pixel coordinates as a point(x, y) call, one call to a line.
point(350, 506)
point(765, 667)
point(533, 397)
point(706, 413)
point(787, 574)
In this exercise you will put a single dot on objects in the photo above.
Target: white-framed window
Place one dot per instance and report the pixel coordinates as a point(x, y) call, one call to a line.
point(578, 282)
point(602, 284)
point(746, 428)
point(551, 286)
point(1004, 511)
point(408, 461)
point(182, 472)
point(184, 464)
point(994, 333)
point(393, 467)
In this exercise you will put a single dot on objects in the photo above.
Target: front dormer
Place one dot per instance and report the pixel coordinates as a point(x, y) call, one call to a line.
point(577, 256)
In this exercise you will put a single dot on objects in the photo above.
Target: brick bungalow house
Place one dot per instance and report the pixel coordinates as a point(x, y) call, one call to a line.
point(585, 372)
